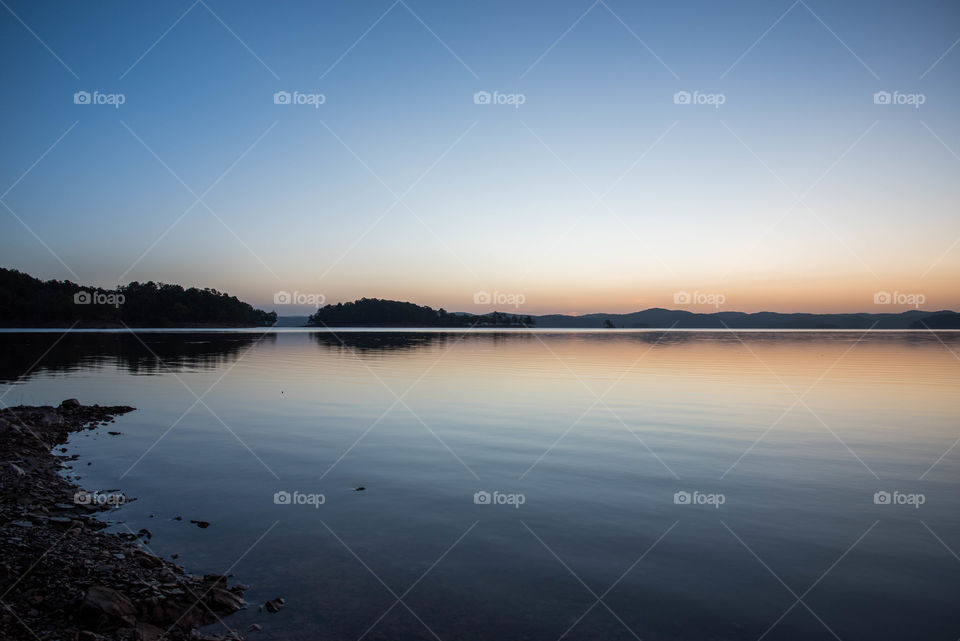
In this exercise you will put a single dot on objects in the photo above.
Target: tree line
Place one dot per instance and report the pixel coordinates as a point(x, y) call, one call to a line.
point(376, 312)
point(26, 301)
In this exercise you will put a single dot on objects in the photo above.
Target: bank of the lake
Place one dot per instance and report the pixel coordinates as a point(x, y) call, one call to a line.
point(64, 577)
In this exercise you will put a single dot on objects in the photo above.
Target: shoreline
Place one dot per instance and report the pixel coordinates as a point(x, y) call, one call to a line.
point(62, 577)
point(353, 329)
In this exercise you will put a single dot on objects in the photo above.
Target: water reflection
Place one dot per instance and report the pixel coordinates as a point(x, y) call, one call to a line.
point(26, 355)
point(379, 341)
point(31, 354)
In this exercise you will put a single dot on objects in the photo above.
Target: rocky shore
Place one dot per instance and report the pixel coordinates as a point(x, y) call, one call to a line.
point(62, 578)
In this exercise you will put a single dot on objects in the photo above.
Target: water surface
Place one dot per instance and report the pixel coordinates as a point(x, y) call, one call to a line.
point(794, 432)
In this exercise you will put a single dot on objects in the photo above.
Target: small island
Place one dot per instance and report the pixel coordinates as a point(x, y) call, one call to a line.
point(376, 312)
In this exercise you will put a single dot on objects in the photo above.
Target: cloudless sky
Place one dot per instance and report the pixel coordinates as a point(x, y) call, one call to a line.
point(598, 193)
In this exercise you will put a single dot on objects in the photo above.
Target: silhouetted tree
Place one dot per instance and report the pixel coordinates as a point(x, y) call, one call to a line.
point(368, 312)
point(26, 301)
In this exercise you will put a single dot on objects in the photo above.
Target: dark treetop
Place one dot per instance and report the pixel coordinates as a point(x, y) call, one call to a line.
point(375, 312)
point(29, 302)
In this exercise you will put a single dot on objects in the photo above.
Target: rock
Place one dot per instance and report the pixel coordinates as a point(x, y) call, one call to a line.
point(254, 627)
point(215, 579)
point(201, 524)
point(274, 605)
point(70, 402)
point(49, 417)
point(106, 608)
point(359, 489)
point(149, 561)
point(221, 600)
point(16, 468)
point(114, 433)
point(148, 632)
point(164, 612)
point(195, 617)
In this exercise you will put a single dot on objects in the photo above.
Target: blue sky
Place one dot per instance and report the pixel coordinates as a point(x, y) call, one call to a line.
point(694, 197)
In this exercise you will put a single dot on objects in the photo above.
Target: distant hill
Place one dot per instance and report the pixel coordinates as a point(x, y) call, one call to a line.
point(291, 321)
point(26, 301)
point(662, 318)
point(940, 320)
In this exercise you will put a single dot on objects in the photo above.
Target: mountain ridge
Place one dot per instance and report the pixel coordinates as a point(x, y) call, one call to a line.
point(658, 317)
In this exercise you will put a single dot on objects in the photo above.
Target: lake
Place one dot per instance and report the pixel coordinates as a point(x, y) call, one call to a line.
point(534, 485)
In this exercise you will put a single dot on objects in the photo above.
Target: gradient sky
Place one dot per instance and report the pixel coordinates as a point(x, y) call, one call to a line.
point(599, 193)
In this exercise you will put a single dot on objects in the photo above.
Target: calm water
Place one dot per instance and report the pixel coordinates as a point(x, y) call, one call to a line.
point(596, 431)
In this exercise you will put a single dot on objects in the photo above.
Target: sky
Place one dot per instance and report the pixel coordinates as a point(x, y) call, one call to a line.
point(540, 157)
